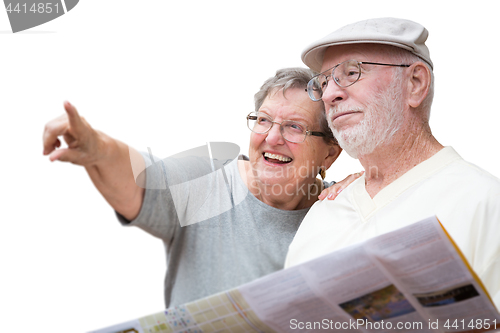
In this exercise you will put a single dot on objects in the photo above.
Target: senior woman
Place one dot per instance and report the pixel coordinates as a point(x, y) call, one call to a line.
point(271, 190)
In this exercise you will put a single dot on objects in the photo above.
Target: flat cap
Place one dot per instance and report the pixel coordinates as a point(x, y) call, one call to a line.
point(401, 33)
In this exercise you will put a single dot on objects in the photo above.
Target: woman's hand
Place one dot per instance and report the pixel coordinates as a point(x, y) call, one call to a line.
point(108, 162)
point(334, 190)
point(84, 143)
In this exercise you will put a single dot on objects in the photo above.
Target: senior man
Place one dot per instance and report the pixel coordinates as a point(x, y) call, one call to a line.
point(377, 85)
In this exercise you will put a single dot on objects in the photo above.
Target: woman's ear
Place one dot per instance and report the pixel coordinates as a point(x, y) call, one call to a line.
point(419, 83)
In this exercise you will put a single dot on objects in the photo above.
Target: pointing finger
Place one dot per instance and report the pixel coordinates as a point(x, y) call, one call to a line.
point(75, 121)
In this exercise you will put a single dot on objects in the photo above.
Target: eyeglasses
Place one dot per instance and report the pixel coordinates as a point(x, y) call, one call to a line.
point(292, 131)
point(344, 74)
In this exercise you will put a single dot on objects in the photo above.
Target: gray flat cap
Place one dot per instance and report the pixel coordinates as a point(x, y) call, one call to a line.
point(401, 33)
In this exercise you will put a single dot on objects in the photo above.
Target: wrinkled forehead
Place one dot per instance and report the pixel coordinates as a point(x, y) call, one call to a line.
point(294, 102)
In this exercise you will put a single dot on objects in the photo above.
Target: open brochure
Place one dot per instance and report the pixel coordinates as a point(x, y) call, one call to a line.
point(413, 279)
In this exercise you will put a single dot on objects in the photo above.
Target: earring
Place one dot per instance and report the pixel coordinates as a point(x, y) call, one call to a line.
point(322, 172)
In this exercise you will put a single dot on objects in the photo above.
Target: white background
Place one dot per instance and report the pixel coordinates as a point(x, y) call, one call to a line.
point(172, 76)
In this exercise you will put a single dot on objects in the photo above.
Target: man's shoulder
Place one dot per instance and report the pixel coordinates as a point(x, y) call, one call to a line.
point(448, 169)
point(474, 176)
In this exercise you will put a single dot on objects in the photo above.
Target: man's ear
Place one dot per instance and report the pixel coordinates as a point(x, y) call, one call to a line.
point(333, 154)
point(419, 83)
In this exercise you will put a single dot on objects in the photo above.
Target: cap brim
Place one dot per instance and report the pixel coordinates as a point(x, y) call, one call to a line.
point(313, 57)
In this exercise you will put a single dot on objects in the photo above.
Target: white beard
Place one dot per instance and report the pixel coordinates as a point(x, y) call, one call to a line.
point(383, 117)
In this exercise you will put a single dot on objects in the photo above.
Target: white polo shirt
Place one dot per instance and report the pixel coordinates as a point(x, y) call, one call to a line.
point(465, 198)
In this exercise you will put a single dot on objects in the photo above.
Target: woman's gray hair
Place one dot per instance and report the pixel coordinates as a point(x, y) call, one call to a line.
point(295, 77)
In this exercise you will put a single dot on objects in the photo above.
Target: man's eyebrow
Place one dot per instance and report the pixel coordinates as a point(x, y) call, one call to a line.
point(329, 69)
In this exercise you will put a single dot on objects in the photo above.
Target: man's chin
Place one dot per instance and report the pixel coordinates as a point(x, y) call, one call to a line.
point(351, 151)
point(351, 145)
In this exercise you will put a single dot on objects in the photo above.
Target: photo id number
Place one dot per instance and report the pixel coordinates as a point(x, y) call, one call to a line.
point(36, 8)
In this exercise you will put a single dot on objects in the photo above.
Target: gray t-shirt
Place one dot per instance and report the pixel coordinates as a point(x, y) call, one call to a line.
point(241, 239)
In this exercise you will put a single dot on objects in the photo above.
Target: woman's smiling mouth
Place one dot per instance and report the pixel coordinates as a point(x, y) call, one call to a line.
point(275, 158)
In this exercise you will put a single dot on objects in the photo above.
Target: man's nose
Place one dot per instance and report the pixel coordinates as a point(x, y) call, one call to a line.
point(274, 136)
point(333, 93)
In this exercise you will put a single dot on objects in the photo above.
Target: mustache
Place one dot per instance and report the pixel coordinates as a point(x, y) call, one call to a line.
point(342, 108)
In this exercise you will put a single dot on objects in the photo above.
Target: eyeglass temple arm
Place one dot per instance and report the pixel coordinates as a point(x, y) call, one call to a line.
point(316, 133)
point(322, 134)
point(377, 63)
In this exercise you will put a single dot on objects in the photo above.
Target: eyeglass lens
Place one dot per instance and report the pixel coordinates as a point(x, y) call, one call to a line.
point(290, 130)
point(345, 74)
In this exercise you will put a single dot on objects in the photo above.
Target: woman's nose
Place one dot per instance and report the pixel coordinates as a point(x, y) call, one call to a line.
point(274, 136)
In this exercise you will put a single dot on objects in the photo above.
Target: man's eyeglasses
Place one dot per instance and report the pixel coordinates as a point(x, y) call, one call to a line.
point(344, 74)
point(292, 131)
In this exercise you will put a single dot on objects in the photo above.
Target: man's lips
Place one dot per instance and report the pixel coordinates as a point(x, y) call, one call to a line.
point(343, 113)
